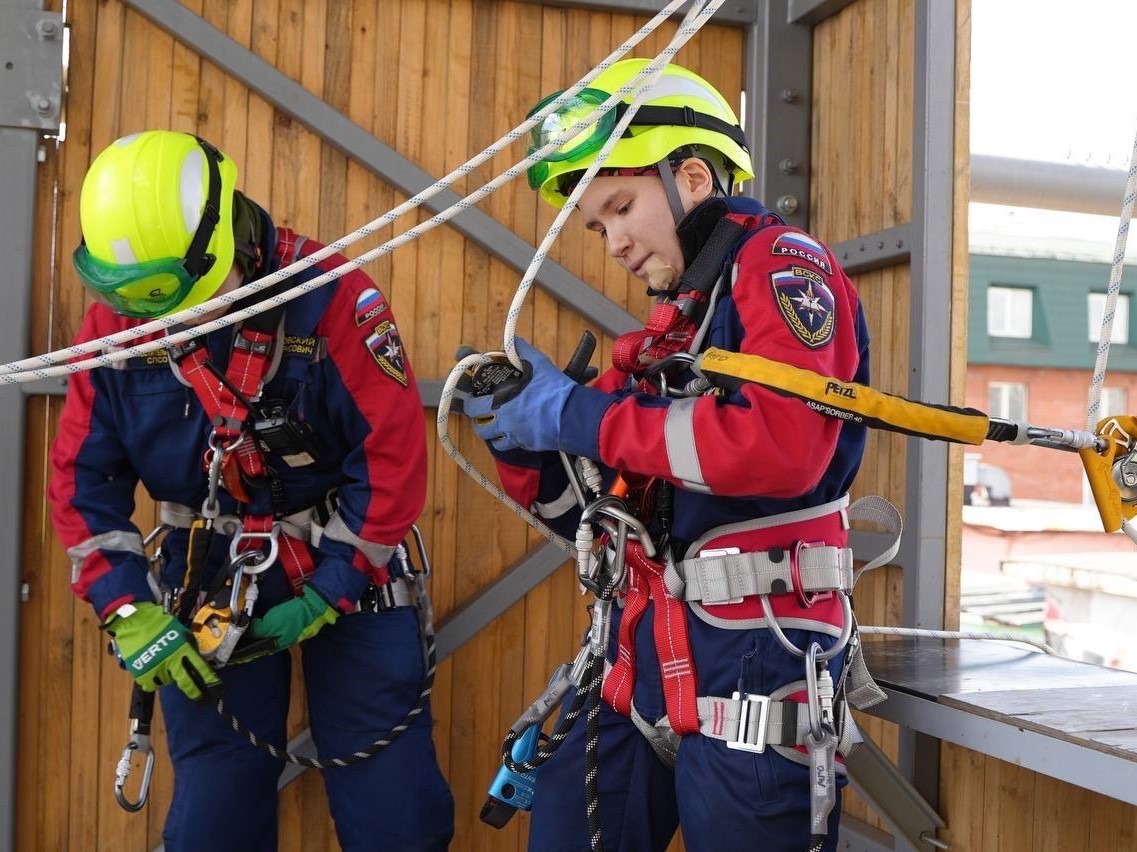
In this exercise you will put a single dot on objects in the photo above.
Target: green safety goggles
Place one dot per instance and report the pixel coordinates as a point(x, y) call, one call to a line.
point(141, 290)
point(154, 288)
point(589, 140)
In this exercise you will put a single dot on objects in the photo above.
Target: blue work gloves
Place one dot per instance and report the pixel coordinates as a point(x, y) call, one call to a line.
point(526, 415)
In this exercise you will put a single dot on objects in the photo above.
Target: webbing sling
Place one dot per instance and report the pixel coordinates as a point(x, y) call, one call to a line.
point(673, 324)
point(226, 402)
point(672, 643)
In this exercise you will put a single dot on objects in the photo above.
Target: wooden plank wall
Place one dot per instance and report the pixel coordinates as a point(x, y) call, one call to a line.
point(862, 182)
point(436, 81)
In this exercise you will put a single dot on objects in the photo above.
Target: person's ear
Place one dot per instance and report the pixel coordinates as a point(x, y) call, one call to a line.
point(694, 176)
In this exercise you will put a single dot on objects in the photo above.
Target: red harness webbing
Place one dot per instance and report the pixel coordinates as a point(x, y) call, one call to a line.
point(672, 644)
point(249, 365)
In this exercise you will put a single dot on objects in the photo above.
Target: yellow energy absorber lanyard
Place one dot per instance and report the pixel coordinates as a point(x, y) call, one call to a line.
point(850, 401)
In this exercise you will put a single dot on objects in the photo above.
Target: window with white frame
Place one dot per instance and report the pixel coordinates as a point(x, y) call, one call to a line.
point(1120, 333)
point(1010, 312)
point(1007, 400)
point(1113, 401)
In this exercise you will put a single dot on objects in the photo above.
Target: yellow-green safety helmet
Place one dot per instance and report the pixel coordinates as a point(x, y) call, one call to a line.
point(681, 109)
point(156, 210)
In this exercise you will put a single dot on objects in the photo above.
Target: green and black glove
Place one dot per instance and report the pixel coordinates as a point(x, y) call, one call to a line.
point(288, 624)
point(156, 649)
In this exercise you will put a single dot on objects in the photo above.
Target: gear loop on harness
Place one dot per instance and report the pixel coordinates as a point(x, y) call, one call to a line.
point(822, 656)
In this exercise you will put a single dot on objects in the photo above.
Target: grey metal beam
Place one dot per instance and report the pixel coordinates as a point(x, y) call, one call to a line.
point(933, 172)
point(44, 387)
point(779, 60)
point(875, 251)
point(347, 136)
point(857, 836)
point(1099, 771)
point(813, 12)
point(496, 598)
point(18, 191)
point(1051, 186)
point(881, 786)
point(465, 622)
point(731, 12)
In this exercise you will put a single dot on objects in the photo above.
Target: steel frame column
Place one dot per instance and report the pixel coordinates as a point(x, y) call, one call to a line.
point(17, 212)
point(933, 173)
point(30, 97)
point(777, 114)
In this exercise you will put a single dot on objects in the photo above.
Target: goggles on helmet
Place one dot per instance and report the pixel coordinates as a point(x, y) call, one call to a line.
point(592, 139)
point(153, 288)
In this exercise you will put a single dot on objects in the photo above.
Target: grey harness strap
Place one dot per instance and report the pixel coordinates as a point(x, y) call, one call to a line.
point(732, 576)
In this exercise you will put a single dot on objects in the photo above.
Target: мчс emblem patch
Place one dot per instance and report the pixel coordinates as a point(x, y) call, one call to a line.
point(804, 247)
point(369, 305)
point(387, 350)
point(806, 303)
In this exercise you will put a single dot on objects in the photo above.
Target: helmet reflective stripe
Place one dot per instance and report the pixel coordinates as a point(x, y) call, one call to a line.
point(123, 253)
point(672, 87)
point(192, 192)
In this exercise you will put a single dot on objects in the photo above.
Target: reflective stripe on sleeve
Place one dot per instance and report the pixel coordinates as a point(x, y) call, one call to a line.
point(125, 541)
point(682, 456)
point(377, 554)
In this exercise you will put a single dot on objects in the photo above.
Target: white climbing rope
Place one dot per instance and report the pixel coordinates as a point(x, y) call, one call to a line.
point(696, 16)
point(921, 633)
point(40, 366)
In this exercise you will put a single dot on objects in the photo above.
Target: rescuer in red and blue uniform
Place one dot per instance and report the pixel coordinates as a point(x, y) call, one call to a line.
point(338, 431)
point(736, 474)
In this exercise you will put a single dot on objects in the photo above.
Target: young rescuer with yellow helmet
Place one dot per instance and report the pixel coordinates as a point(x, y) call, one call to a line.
point(736, 487)
point(297, 434)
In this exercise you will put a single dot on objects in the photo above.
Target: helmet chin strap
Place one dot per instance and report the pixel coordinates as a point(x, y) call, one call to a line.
point(671, 190)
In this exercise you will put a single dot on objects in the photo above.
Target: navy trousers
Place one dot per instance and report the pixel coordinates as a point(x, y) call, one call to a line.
point(724, 800)
point(361, 675)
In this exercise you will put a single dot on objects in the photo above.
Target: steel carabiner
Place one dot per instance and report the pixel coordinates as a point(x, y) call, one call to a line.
point(122, 771)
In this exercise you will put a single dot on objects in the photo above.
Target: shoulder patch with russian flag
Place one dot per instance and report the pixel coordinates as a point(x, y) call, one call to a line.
point(803, 247)
point(806, 303)
point(369, 304)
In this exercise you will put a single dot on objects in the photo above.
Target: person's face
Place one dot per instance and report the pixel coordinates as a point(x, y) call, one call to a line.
point(232, 282)
point(633, 218)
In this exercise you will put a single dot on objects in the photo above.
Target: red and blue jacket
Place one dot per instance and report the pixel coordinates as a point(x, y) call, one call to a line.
point(343, 373)
point(739, 456)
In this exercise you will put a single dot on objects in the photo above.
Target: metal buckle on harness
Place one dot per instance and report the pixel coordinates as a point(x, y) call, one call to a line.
point(805, 599)
point(376, 598)
point(267, 560)
point(748, 706)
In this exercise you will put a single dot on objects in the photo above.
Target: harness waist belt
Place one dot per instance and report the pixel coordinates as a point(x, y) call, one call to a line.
point(298, 525)
point(732, 576)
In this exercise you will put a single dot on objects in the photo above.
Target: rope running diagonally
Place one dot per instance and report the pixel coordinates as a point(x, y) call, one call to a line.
point(39, 366)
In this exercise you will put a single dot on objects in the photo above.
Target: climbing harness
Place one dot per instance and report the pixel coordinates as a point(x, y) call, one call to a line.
point(142, 703)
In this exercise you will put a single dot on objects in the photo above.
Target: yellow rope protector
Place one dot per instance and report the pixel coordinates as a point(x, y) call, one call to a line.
point(1120, 433)
point(847, 400)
